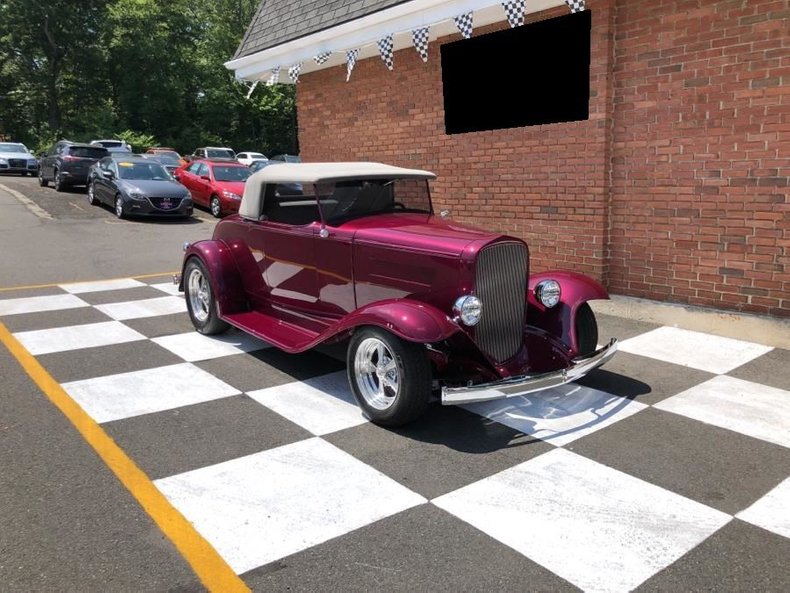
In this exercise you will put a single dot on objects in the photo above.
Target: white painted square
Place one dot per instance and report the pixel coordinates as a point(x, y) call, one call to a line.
point(697, 350)
point(594, 526)
point(750, 408)
point(166, 305)
point(320, 405)
point(559, 415)
point(74, 337)
point(263, 507)
point(100, 285)
point(114, 397)
point(169, 288)
point(38, 304)
point(193, 346)
point(772, 511)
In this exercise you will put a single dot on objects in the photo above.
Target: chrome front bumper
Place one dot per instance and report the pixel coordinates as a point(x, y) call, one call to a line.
point(523, 384)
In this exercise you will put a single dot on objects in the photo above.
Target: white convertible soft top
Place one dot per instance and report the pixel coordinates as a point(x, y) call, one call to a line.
point(306, 173)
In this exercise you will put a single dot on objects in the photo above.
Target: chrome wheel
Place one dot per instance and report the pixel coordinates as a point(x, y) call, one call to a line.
point(119, 206)
point(376, 374)
point(91, 195)
point(199, 294)
point(216, 207)
point(58, 182)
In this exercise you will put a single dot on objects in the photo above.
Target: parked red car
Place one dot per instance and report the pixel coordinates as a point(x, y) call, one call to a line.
point(328, 252)
point(216, 184)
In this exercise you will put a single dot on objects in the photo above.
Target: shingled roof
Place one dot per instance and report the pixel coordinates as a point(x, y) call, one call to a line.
point(279, 21)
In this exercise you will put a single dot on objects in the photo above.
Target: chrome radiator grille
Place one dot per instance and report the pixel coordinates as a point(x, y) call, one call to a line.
point(501, 284)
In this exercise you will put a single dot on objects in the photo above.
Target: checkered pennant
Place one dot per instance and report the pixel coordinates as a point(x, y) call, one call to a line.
point(419, 37)
point(575, 5)
point(252, 88)
point(385, 50)
point(322, 57)
point(275, 77)
point(351, 60)
point(464, 24)
point(515, 9)
point(293, 72)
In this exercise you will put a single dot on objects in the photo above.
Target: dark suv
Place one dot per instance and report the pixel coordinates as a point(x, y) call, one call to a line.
point(67, 163)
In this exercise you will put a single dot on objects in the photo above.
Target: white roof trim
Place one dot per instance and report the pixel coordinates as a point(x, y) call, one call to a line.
point(364, 32)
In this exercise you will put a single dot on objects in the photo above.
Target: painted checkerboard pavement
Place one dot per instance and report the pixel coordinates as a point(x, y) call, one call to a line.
point(666, 469)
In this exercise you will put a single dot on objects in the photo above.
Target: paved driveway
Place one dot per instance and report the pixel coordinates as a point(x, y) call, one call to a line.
point(668, 467)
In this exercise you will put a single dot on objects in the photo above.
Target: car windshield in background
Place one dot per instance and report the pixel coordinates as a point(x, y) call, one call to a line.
point(347, 199)
point(231, 173)
point(170, 155)
point(5, 147)
point(220, 154)
point(111, 143)
point(142, 171)
point(88, 152)
point(167, 159)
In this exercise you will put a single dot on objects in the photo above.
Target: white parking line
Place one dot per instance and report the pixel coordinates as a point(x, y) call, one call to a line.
point(28, 203)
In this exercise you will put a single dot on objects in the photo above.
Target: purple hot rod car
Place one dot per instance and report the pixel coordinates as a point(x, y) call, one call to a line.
point(326, 252)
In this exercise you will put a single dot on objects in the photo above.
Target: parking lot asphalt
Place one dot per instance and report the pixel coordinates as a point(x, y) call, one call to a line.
point(139, 455)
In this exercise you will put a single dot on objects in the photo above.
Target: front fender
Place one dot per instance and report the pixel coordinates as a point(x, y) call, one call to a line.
point(575, 290)
point(407, 319)
point(223, 274)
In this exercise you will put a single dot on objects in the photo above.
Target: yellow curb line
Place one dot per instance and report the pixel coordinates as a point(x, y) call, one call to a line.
point(208, 565)
point(31, 286)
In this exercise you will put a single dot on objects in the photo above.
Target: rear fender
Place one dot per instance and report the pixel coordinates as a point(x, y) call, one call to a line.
point(223, 273)
point(575, 290)
point(411, 320)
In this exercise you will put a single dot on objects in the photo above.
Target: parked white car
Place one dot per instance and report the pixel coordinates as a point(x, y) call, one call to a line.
point(113, 145)
point(16, 158)
point(248, 158)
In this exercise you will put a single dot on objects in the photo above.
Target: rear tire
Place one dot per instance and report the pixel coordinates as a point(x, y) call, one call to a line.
point(216, 207)
point(41, 181)
point(586, 330)
point(58, 183)
point(201, 304)
point(390, 377)
point(92, 195)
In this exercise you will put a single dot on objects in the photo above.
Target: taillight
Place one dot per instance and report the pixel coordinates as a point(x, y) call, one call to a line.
point(69, 158)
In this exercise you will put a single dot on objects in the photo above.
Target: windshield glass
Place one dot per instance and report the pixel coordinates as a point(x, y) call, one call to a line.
point(220, 153)
point(10, 147)
point(167, 159)
point(231, 173)
point(142, 171)
point(347, 199)
point(172, 154)
point(110, 143)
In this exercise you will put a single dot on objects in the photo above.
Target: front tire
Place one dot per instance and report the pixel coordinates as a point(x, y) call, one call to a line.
point(390, 377)
point(119, 206)
point(586, 330)
point(201, 305)
point(41, 181)
point(216, 207)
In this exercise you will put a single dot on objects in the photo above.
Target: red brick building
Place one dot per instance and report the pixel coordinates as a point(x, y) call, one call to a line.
point(674, 189)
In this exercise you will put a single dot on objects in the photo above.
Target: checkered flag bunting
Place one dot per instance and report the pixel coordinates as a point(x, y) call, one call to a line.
point(515, 9)
point(385, 50)
point(464, 24)
point(322, 57)
point(419, 37)
point(275, 77)
point(575, 5)
point(293, 72)
point(351, 60)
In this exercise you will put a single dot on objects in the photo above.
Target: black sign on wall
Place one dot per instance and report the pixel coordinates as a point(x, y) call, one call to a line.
point(529, 75)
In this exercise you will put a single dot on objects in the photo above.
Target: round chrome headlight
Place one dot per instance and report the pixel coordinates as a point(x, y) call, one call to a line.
point(468, 309)
point(548, 293)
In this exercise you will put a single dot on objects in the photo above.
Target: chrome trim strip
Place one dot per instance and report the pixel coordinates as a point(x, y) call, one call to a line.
point(523, 384)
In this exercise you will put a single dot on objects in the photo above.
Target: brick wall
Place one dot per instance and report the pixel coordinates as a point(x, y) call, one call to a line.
point(675, 188)
point(701, 153)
